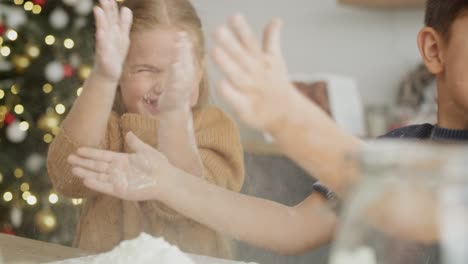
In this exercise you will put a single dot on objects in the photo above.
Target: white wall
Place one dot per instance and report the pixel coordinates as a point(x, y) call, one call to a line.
point(377, 47)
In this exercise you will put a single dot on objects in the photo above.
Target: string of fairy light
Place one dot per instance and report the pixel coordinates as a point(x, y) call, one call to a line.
point(50, 119)
point(22, 62)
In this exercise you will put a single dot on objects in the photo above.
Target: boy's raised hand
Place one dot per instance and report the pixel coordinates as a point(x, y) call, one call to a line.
point(256, 80)
point(112, 38)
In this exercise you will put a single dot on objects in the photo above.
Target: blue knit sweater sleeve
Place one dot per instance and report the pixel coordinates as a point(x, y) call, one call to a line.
point(411, 132)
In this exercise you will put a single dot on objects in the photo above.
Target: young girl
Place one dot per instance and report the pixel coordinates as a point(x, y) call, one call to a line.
point(148, 79)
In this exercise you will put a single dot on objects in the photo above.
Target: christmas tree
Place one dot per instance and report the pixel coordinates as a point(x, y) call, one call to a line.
point(46, 49)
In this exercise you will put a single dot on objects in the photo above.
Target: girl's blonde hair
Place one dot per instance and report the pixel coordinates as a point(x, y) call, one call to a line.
point(181, 14)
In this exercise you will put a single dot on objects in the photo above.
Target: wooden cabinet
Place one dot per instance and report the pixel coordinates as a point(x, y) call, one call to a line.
point(385, 3)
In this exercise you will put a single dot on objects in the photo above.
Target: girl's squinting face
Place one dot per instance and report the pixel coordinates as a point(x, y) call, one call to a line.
point(147, 68)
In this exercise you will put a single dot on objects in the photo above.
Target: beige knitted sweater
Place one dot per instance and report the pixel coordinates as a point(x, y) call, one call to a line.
point(106, 220)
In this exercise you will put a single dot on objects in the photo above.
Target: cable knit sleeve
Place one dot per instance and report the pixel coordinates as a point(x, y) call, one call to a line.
point(59, 170)
point(220, 149)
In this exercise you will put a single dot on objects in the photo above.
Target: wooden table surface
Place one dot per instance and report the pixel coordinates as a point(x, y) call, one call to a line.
point(18, 250)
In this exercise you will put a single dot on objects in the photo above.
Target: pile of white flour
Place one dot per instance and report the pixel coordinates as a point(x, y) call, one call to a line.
point(143, 250)
point(146, 249)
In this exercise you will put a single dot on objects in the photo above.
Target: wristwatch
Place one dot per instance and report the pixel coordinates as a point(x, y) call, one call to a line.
point(332, 199)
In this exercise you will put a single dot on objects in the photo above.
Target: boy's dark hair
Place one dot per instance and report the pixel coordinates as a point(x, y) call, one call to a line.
point(441, 14)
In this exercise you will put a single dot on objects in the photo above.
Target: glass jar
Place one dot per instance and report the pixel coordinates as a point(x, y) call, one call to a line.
point(410, 206)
